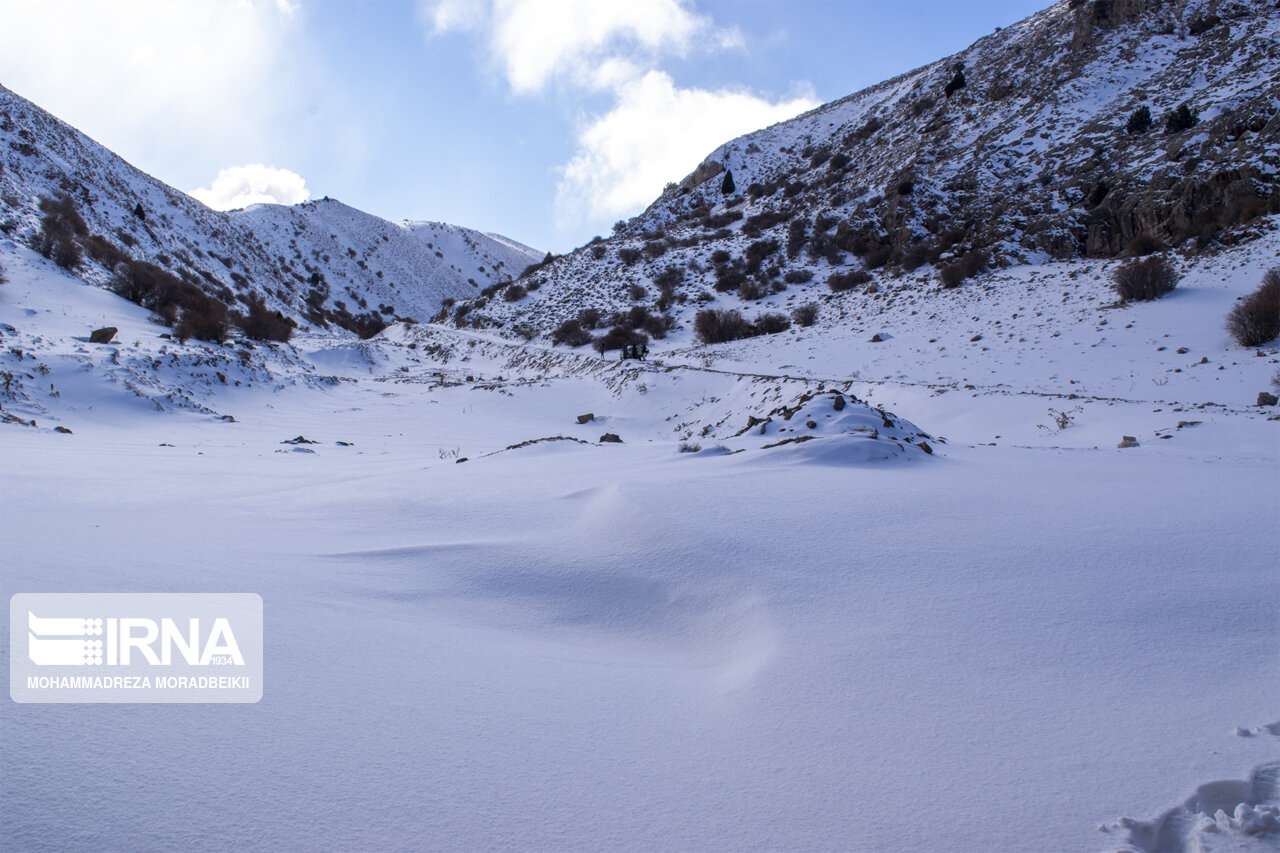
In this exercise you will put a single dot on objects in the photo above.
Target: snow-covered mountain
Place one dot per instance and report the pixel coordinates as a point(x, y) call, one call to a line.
point(318, 262)
point(1091, 129)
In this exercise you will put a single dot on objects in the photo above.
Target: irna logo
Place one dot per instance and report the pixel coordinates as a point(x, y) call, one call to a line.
point(137, 647)
point(79, 641)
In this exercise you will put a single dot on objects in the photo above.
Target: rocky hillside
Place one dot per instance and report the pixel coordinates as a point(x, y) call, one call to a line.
point(1091, 129)
point(321, 263)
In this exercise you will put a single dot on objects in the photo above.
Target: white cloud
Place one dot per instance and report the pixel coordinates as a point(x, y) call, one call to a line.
point(540, 41)
point(446, 15)
point(241, 186)
point(656, 133)
point(145, 75)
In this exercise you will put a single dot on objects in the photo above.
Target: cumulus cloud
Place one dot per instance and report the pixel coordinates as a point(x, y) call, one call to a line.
point(657, 132)
point(446, 15)
point(541, 41)
point(138, 74)
point(241, 186)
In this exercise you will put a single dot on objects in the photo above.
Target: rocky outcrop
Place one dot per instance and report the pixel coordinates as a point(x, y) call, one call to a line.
point(706, 170)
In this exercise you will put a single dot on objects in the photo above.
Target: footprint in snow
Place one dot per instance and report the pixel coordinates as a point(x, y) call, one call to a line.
point(1232, 814)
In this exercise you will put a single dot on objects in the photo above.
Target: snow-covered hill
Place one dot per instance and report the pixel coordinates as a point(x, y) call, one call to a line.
point(1028, 146)
point(318, 262)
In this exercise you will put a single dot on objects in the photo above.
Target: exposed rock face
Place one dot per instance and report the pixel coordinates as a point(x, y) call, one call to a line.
point(1171, 209)
point(706, 170)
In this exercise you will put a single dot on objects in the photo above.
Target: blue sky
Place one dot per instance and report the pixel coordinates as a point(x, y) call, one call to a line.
point(545, 120)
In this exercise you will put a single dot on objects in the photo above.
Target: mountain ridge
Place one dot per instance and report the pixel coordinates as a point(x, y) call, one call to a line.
point(320, 262)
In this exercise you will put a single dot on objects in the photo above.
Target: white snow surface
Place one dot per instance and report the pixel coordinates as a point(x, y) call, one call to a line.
point(1026, 639)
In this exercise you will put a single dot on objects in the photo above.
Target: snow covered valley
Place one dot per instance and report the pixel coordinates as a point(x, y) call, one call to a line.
point(1022, 637)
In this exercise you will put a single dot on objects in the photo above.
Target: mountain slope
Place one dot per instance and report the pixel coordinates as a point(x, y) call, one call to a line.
point(302, 260)
point(1028, 146)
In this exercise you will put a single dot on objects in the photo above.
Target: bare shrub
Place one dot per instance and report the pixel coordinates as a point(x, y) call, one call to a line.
point(1146, 279)
point(758, 251)
point(636, 292)
point(720, 220)
point(729, 277)
point(263, 324)
point(798, 276)
point(104, 252)
point(203, 318)
point(658, 325)
point(839, 282)
point(806, 314)
point(619, 337)
point(666, 282)
point(715, 326)
point(368, 324)
point(669, 278)
point(628, 255)
point(969, 264)
point(572, 333)
point(765, 220)
point(1256, 319)
point(59, 228)
point(515, 293)
point(915, 255)
point(771, 324)
point(864, 132)
point(878, 257)
point(797, 236)
point(534, 267)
